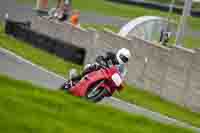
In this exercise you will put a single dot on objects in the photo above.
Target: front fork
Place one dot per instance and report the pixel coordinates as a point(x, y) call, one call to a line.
point(93, 92)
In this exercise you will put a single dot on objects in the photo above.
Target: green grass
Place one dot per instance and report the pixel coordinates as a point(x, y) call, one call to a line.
point(162, 1)
point(195, 5)
point(191, 42)
point(188, 42)
point(157, 104)
point(26, 108)
point(130, 94)
point(101, 27)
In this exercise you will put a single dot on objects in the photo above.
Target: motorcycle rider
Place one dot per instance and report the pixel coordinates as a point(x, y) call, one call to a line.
point(120, 58)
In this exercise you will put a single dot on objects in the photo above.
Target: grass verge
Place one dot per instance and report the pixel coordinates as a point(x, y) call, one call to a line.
point(27, 108)
point(101, 27)
point(157, 104)
point(191, 42)
point(195, 5)
point(188, 42)
point(131, 94)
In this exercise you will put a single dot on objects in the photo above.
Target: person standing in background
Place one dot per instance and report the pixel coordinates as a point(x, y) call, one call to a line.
point(63, 10)
point(74, 19)
point(58, 4)
point(67, 8)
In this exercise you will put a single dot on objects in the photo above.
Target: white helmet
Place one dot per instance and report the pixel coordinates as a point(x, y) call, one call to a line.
point(123, 55)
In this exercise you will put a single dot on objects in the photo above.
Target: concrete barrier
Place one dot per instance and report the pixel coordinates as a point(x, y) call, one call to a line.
point(192, 98)
point(53, 29)
point(156, 68)
point(175, 84)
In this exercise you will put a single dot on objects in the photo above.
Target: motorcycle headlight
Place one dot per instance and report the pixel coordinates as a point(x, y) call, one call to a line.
point(117, 79)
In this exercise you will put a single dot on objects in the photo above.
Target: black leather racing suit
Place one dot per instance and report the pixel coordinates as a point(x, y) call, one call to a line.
point(108, 60)
point(101, 61)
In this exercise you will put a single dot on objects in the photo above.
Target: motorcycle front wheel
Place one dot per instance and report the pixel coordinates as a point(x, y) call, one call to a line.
point(96, 95)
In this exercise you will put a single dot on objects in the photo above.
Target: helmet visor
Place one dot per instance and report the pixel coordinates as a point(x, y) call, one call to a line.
point(123, 58)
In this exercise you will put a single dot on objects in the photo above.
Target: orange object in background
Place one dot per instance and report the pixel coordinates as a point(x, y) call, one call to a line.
point(74, 19)
point(42, 4)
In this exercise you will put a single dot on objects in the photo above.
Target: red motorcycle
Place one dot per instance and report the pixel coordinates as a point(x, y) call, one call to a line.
point(97, 84)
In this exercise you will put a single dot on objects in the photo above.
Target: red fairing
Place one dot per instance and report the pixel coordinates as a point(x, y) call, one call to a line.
point(81, 87)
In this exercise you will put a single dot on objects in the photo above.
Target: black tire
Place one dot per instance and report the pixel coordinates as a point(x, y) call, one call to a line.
point(62, 87)
point(100, 93)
